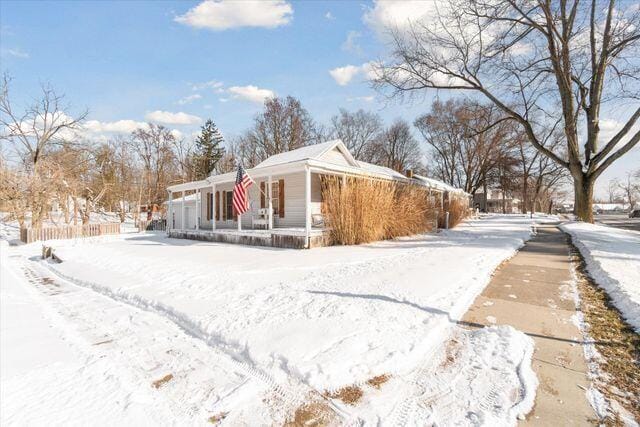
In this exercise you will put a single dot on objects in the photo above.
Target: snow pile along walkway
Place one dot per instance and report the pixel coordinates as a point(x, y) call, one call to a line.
point(613, 260)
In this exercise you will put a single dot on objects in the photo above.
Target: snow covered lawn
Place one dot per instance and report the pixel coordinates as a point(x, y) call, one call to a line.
point(307, 321)
point(613, 260)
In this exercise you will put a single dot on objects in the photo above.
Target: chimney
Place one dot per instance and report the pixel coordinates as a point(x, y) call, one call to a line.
point(409, 173)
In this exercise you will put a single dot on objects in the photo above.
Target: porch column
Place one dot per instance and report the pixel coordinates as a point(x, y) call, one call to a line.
point(198, 207)
point(307, 202)
point(344, 180)
point(183, 212)
point(270, 206)
point(170, 212)
point(214, 207)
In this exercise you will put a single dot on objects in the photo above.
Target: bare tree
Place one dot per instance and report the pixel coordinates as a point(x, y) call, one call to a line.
point(40, 126)
point(283, 125)
point(538, 61)
point(612, 190)
point(464, 146)
point(397, 148)
point(630, 187)
point(358, 131)
point(154, 146)
point(32, 135)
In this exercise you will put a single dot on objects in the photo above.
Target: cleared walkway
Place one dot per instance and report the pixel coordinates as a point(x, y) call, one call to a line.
point(532, 292)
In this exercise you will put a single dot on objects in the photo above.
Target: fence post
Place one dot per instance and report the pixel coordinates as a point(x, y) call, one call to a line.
point(446, 220)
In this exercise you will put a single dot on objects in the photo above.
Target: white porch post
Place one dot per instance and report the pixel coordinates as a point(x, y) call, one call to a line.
point(214, 207)
point(183, 211)
point(239, 222)
point(307, 203)
point(170, 212)
point(270, 203)
point(198, 207)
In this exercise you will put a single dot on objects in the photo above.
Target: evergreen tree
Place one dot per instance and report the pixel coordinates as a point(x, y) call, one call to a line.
point(208, 150)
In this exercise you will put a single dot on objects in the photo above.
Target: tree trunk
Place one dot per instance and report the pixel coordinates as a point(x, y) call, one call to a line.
point(525, 191)
point(583, 196)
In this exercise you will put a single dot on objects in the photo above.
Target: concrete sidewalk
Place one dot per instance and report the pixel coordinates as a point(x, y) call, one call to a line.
point(532, 293)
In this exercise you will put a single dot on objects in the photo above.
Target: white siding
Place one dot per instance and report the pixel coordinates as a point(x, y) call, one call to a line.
point(336, 157)
point(177, 214)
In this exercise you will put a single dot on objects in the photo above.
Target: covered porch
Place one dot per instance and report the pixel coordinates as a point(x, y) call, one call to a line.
point(285, 209)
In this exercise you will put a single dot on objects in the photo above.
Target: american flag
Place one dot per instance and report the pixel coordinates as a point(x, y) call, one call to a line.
point(240, 199)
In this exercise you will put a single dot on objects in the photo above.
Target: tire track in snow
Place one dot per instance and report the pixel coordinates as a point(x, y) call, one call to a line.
point(293, 395)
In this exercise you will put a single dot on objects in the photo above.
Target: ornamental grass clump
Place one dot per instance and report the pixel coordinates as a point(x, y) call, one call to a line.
point(361, 210)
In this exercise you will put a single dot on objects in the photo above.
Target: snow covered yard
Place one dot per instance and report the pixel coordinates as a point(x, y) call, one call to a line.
point(613, 260)
point(250, 334)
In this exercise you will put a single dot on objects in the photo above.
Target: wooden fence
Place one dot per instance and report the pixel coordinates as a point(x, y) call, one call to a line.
point(153, 225)
point(28, 235)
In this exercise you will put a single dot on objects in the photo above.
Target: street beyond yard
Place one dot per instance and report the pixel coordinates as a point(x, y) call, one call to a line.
point(263, 335)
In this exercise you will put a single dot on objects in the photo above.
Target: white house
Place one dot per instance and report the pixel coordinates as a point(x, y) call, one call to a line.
point(285, 201)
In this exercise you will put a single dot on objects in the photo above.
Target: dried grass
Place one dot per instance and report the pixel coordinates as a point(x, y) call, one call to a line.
point(364, 210)
point(162, 381)
point(350, 395)
point(377, 381)
point(457, 206)
point(217, 418)
point(312, 414)
point(616, 341)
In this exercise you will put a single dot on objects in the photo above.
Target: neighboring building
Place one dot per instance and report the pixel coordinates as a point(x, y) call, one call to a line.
point(497, 201)
point(289, 183)
point(150, 212)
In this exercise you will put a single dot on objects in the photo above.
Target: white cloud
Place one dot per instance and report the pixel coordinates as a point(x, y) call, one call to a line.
point(189, 99)
point(167, 117)
point(351, 43)
point(16, 53)
point(361, 99)
point(251, 93)
point(225, 14)
point(329, 16)
point(391, 14)
point(343, 75)
point(176, 134)
point(211, 84)
point(610, 127)
point(119, 126)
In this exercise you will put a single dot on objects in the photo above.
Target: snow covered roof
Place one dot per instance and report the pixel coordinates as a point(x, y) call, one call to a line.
point(434, 183)
point(191, 198)
point(309, 152)
point(381, 170)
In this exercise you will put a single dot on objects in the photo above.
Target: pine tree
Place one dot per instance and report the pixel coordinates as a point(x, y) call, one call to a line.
point(208, 150)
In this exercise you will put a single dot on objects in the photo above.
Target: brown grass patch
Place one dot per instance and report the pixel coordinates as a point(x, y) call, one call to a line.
point(376, 382)
point(162, 381)
point(457, 206)
point(217, 418)
point(311, 414)
point(616, 342)
point(350, 394)
point(364, 211)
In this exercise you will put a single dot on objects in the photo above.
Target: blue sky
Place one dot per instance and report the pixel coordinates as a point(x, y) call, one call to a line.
point(131, 61)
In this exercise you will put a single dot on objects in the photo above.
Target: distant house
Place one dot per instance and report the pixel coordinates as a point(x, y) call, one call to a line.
point(285, 201)
point(497, 201)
